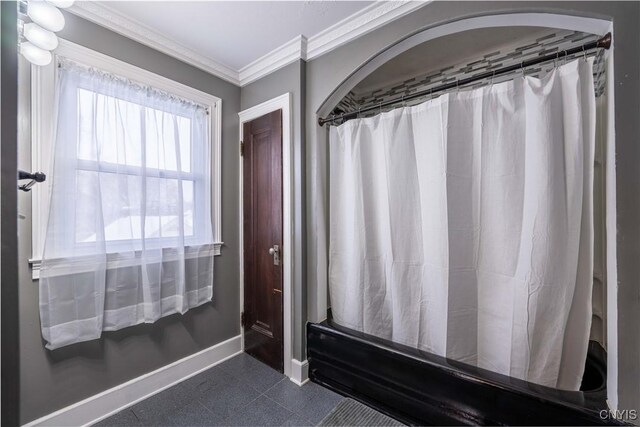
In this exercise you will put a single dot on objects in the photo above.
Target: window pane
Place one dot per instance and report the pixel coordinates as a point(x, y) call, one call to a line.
point(111, 130)
point(164, 210)
point(122, 207)
point(167, 137)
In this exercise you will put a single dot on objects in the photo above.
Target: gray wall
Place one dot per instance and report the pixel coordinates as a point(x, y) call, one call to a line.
point(51, 380)
point(290, 79)
point(326, 73)
point(8, 209)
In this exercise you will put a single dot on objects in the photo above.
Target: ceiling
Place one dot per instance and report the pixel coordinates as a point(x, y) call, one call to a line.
point(235, 33)
point(445, 51)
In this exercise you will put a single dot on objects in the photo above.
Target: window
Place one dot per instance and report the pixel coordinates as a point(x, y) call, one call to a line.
point(160, 140)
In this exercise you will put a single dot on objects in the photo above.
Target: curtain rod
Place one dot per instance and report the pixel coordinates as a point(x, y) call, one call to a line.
point(603, 42)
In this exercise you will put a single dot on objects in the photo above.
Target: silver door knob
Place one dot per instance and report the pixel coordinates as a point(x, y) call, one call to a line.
point(275, 253)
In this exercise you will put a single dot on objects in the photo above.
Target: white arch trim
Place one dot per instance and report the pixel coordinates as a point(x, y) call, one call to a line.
point(516, 19)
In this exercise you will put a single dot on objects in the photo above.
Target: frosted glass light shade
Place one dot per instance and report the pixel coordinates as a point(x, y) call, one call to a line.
point(40, 37)
point(45, 15)
point(34, 54)
point(63, 4)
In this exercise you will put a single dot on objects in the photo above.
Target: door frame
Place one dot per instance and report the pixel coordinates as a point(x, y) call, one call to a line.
point(282, 102)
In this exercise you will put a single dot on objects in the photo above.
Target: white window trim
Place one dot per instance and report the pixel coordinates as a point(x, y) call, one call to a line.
point(42, 124)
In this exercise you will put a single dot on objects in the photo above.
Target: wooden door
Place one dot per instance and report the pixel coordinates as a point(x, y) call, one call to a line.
point(262, 222)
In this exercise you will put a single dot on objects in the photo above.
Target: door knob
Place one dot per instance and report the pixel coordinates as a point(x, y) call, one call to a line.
point(275, 253)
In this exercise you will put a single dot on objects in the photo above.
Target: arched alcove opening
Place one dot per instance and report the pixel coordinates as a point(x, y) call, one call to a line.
point(526, 24)
point(468, 54)
point(432, 33)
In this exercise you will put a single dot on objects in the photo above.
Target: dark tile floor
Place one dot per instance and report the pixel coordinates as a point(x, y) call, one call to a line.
point(239, 392)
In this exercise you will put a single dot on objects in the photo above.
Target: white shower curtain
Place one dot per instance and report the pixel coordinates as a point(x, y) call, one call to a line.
point(464, 225)
point(129, 236)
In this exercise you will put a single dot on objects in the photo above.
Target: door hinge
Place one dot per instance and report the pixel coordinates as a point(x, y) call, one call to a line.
point(242, 319)
point(241, 148)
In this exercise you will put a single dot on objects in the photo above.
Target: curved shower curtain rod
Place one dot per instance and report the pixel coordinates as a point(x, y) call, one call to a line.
point(603, 42)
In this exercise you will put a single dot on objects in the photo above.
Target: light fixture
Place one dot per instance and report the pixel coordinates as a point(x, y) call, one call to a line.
point(34, 54)
point(39, 36)
point(63, 4)
point(45, 15)
point(40, 33)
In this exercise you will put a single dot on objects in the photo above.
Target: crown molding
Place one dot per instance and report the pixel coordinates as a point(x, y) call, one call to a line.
point(111, 19)
point(358, 24)
point(362, 22)
point(289, 52)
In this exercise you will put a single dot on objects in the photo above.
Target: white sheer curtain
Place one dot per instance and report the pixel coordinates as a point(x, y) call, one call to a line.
point(129, 236)
point(464, 226)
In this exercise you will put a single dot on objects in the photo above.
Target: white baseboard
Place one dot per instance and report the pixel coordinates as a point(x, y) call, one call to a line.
point(109, 402)
point(299, 371)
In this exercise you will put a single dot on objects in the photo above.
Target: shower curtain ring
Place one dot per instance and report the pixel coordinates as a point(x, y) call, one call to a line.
point(403, 104)
point(584, 53)
point(457, 86)
point(380, 107)
point(522, 67)
point(492, 77)
point(565, 57)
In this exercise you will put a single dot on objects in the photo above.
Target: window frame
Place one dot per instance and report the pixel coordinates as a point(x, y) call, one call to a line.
point(43, 99)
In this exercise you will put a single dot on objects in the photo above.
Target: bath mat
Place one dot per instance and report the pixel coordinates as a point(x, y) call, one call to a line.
point(352, 413)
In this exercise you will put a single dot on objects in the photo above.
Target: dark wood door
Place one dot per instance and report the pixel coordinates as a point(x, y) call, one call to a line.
point(262, 206)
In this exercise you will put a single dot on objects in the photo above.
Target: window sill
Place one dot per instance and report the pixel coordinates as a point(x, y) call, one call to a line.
point(35, 263)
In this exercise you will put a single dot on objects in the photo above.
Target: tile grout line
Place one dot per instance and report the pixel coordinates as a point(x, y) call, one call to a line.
point(251, 386)
point(208, 410)
point(295, 412)
point(237, 380)
point(239, 408)
point(278, 404)
point(292, 413)
point(271, 388)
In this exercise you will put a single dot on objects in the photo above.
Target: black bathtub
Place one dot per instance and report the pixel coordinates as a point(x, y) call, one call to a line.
point(421, 388)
